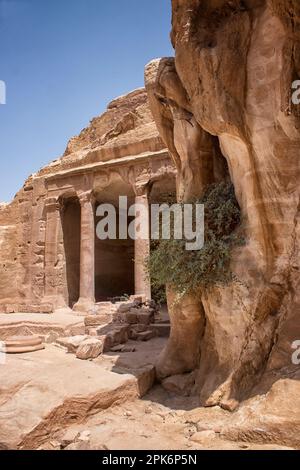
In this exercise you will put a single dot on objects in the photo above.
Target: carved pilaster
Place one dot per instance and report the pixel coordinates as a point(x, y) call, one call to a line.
point(53, 277)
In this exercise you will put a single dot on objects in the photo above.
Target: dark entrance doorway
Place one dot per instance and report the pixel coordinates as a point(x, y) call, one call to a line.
point(71, 216)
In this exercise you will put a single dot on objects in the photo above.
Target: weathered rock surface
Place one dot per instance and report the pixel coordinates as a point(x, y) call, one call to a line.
point(160, 422)
point(89, 349)
point(50, 390)
point(232, 79)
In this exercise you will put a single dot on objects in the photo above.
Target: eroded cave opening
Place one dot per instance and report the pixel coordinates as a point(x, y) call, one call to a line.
point(71, 216)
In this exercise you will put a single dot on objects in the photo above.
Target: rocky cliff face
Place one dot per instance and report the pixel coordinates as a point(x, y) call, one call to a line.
point(229, 92)
point(125, 129)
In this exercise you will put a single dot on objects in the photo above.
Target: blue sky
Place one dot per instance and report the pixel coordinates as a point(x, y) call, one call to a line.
point(62, 62)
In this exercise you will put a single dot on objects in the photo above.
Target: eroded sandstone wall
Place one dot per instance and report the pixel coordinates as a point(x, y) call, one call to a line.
point(235, 62)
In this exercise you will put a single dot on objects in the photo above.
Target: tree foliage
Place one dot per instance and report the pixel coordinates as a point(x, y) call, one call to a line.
point(185, 271)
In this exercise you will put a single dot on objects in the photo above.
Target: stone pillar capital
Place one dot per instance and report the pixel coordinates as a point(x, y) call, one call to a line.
point(52, 204)
point(141, 189)
point(86, 197)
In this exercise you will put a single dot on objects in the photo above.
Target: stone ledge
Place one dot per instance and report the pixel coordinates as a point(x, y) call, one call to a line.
point(26, 308)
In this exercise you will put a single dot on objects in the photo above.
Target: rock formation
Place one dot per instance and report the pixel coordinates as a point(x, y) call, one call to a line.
point(229, 91)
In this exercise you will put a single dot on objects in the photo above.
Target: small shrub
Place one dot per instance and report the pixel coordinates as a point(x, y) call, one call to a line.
point(170, 263)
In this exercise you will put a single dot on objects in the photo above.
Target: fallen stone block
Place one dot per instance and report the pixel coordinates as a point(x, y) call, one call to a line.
point(77, 330)
point(89, 349)
point(124, 308)
point(123, 331)
point(131, 317)
point(146, 378)
point(97, 320)
point(145, 317)
point(119, 334)
point(107, 342)
point(71, 343)
point(145, 335)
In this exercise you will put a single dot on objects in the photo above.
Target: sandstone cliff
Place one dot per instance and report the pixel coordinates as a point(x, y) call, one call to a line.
point(228, 93)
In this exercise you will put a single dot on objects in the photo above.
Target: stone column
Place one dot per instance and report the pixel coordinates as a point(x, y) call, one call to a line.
point(53, 278)
point(141, 252)
point(87, 253)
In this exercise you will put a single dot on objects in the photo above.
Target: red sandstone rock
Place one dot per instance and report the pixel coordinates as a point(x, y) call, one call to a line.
point(226, 101)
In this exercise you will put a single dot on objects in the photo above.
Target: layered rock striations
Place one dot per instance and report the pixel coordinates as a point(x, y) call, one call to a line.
point(229, 92)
